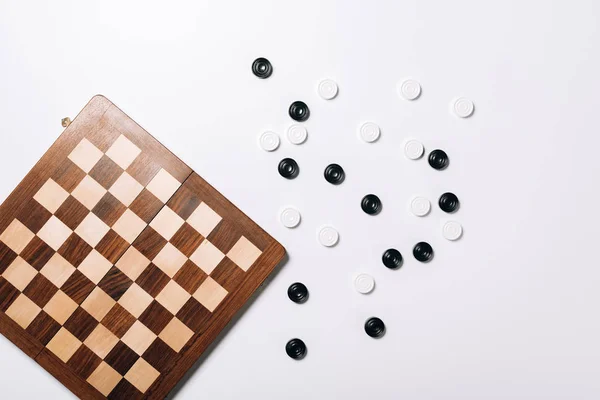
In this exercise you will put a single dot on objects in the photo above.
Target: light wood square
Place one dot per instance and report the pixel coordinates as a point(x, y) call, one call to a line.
point(94, 267)
point(92, 229)
point(60, 307)
point(139, 338)
point(135, 300)
point(167, 223)
point(23, 311)
point(101, 341)
point(98, 304)
point(129, 226)
point(85, 155)
point(57, 270)
point(204, 219)
point(170, 260)
point(163, 185)
point(133, 263)
point(64, 345)
point(89, 192)
point(210, 294)
point(142, 375)
point(17, 236)
point(51, 196)
point(55, 233)
point(126, 189)
point(173, 297)
point(207, 257)
point(104, 378)
point(19, 273)
point(123, 152)
point(244, 253)
point(176, 334)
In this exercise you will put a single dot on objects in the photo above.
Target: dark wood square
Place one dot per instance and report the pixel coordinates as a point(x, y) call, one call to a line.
point(106, 134)
point(190, 276)
point(75, 250)
point(149, 243)
point(43, 328)
point(194, 315)
point(121, 358)
point(143, 169)
point(8, 294)
point(225, 235)
point(68, 175)
point(40, 290)
point(109, 209)
point(162, 357)
point(228, 275)
point(72, 212)
point(34, 216)
point(106, 172)
point(186, 239)
point(153, 280)
point(84, 362)
point(37, 253)
point(7, 256)
point(118, 320)
point(78, 287)
point(184, 202)
point(156, 317)
point(112, 246)
point(115, 283)
point(146, 206)
point(125, 390)
point(81, 324)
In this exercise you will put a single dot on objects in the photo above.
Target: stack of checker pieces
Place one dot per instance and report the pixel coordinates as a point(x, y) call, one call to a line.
point(118, 264)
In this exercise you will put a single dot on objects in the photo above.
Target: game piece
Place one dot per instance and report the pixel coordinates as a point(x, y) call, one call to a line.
point(119, 265)
point(392, 259)
point(297, 134)
point(262, 68)
point(449, 202)
point(327, 89)
point(328, 236)
point(299, 111)
point(290, 217)
point(298, 293)
point(423, 251)
point(409, 89)
point(334, 174)
point(364, 283)
point(438, 159)
point(288, 168)
point(463, 107)
point(414, 149)
point(452, 230)
point(296, 349)
point(375, 327)
point(369, 132)
point(420, 206)
point(371, 204)
point(269, 141)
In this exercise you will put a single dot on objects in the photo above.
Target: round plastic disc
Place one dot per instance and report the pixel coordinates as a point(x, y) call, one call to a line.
point(369, 132)
point(413, 149)
point(463, 107)
point(296, 349)
point(290, 217)
point(452, 230)
point(327, 89)
point(410, 89)
point(328, 236)
point(297, 134)
point(364, 283)
point(269, 141)
point(420, 206)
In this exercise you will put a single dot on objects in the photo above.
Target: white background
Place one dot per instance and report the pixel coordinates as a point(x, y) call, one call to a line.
point(509, 311)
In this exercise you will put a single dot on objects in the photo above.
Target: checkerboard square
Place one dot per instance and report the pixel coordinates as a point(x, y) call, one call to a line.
point(176, 334)
point(170, 260)
point(135, 300)
point(118, 320)
point(187, 239)
point(60, 307)
point(89, 192)
point(81, 324)
point(142, 375)
point(75, 250)
point(138, 338)
point(40, 290)
point(210, 294)
point(57, 270)
point(78, 287)
point(121, 358)
point(43, 328)
point(33, 215)
point(133, 263)
point(104, 378)
point(19, 273)
point(129, 226)
point(173, 297)
point(85, 155)
point(126, 189)
point(95, 266)
point(23, 311)
point(156, 317)
point(37, 253)
point(84, 362)
point(112, 246)
point(207, 257)
point(68, 175)
point(109, 209)
point(106, 172)
point(123, 152)
point(190, 276)
point(244, 253)
point(153, 280)
point(92, 230)
point(54, 233)
point(163, 185)
point(98, 304)
point(64, 345)
point(204, 219)
point(72, 212)
point(17, 236)
point(115, 283)
point(51, 195)
point(167, 223)
point(101, 341)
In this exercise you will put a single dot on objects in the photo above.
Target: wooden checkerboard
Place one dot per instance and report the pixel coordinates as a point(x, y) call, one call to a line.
point(118, 264)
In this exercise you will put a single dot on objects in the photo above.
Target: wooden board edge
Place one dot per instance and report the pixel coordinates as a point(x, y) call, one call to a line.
point(19, 337)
